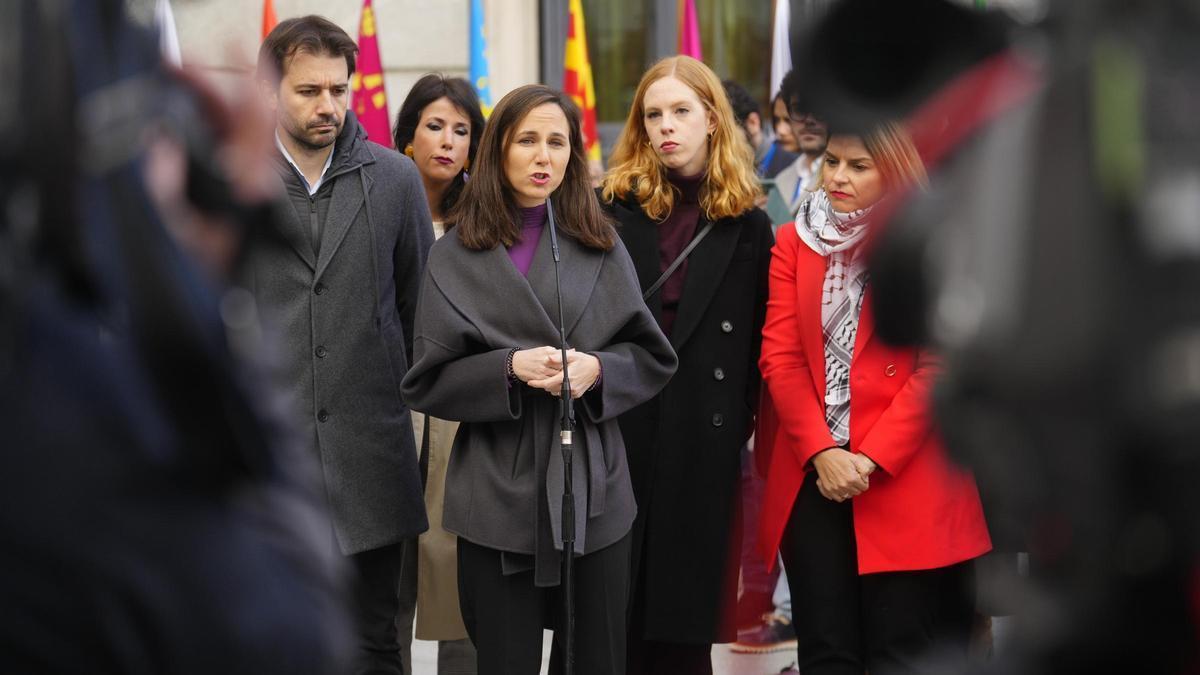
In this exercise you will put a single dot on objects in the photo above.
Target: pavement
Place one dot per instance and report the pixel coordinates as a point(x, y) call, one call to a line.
point(725, 662)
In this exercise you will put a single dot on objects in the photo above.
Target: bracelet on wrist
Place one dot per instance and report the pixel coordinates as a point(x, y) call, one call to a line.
point(508, 365)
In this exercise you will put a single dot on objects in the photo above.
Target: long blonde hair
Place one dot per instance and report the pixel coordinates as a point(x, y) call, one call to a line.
point(730, 185)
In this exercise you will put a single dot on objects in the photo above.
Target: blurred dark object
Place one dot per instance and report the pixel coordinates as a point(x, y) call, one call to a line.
point(156, 518)
point(1055, 263)
point(867, 60)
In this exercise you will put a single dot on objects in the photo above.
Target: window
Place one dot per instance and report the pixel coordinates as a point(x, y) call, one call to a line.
point(736, 40)
point(626, 36)
point(617, 43)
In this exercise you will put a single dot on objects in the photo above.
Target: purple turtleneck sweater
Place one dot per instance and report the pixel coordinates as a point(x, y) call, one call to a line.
point(674, 234)
point(533, 221)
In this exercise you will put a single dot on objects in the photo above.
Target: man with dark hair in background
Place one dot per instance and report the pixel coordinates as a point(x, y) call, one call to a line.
point(342, 293)
point(769, 158)
point(811, 135)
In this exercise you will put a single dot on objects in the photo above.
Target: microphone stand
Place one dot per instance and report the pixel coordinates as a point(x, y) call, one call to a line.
point(567, 415)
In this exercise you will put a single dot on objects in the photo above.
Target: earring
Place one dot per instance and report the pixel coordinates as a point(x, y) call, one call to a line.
point(408, 150)
point(467, 164)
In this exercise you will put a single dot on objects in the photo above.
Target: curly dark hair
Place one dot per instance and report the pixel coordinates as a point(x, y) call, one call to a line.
point(791, 90)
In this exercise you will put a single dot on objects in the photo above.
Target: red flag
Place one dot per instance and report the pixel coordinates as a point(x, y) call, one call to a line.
point(689, 30)
point(367, 95)
point(268, 19)
point(577, 78)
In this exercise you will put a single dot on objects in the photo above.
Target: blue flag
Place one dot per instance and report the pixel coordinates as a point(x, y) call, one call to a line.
point(479, 58)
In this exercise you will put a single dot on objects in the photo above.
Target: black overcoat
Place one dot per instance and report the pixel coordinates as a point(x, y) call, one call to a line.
point(684, 445)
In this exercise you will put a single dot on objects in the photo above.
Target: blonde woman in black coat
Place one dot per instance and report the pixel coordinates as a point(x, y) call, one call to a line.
point(682, 172)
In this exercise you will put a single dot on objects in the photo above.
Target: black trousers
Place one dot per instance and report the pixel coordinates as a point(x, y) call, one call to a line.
point(652, 657)
point(887, 623)
point(505, 614)
point(377, 601)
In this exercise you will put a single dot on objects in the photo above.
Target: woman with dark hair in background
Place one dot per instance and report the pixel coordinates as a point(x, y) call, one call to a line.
point(878, 530)
point(487, 354)
point(438, 127)
point(682, 174)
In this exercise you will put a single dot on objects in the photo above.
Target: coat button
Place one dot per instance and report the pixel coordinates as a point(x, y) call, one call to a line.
point(321, 351)
point(322, 415)
point(718, 374)
point(890, 370)
point(319, 289)
point(718, 420)
point(726, 326)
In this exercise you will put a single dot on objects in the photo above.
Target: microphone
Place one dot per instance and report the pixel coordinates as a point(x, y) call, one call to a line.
point(568, 417)
point(568, 501)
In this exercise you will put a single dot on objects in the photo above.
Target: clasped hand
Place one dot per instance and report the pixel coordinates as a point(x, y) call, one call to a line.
point(842, 474)
point(541, 368)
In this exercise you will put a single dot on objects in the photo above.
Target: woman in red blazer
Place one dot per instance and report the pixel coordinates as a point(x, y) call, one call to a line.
point(876, 527)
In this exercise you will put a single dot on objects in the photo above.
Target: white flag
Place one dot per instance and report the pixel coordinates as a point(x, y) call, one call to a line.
point(168, 38)
point(781, 48)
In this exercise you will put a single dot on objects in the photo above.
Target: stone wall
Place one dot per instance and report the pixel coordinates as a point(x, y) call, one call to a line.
point(221, 37)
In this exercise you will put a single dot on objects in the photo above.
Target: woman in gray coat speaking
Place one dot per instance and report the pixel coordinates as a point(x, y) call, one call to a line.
point(486, 353)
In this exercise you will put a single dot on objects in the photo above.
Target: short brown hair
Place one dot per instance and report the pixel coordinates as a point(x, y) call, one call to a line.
point(311, 34)
point(486, 214)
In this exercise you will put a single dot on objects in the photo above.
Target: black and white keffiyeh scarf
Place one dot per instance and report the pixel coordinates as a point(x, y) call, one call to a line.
point(836, 237)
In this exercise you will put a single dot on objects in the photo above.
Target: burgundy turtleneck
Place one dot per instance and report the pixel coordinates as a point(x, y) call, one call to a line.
point(674, 234)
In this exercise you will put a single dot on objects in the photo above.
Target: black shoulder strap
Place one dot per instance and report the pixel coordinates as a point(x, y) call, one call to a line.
point(677, 262)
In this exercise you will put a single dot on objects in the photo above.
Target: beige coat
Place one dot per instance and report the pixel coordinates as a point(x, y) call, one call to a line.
point(438, 615)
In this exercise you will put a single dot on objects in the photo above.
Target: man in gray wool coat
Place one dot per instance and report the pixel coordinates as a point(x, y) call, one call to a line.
point(341, 292)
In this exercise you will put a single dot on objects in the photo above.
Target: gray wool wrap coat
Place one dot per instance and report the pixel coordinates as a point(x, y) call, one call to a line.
point(504, 483)
point(344, 317)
